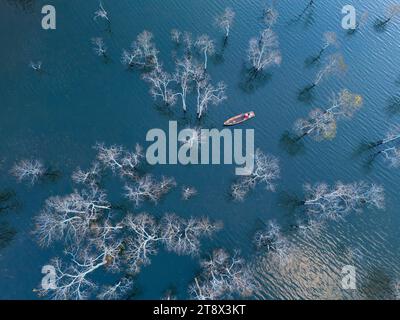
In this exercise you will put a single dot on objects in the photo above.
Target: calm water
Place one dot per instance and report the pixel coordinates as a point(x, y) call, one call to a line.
point(60, 115)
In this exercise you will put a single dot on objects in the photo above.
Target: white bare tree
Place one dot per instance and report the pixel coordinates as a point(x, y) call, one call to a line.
point(183, 236)
point(225, 21)
point(184, 75)
point(266, 170)
point(117, 290)
point(148, 188)
point(393, 135)
point(270, 16)
point(142, 53)
point(28, 170)
point(264, 51)
point(142, 242)
point(119, 160)
point(188, 192)
point(392, 12)
point(90, 177)
point(206, 46)
point(37, 66)
point(391, 156)
point(322, 124)
point(336, 202)
point(207, 93)
point(334, 63)
point(329, 39)
point(273, 241)
point(71, 217)
point(99, 47)
point(223, 276)
point(160, 85)
point(101, 13)
point(176, 36)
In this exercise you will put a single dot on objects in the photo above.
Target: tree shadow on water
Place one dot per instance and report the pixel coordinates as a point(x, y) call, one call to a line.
point(289, 201)
point(393, 105)
point(291, 144)
point(252, 80)
point(7, 234)
point(306, 94)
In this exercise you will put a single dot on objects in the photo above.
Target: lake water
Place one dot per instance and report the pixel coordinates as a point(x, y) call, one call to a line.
point(59, 115)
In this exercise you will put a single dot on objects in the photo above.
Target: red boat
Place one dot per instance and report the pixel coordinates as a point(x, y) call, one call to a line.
point(239, 118)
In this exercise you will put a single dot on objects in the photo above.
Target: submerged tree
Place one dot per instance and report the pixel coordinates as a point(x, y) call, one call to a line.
point(333, 64)
point(148, 188)
point(185, 70)
point(28, 170)
point(322, 124)
point(160, 85)
point(206, 92)
point(273, 241)
point(37, 66)
point(266, 170)
point(329, 40)
point(359, 23)
point(336, 202)
point(264, 51)
point(188, 192)
point(102, 14)
point(206, 46)
point(225, 21)
point(223, 276)
point(142, 53)
point(176, 36)
point(119, 160)
point(391, 156)
point(70, 217)
point(182, 236)
point(270, 16)
point(99, 47)
point(393, 135)
point(392, 12)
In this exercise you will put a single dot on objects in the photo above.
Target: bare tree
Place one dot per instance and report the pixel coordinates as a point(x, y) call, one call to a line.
point(102, 14)
point(70, 217)
point(188, 192)
point(90, 177)
point(176, 36)
point(336, 202)
point(183, 236)
point(99, 47)
point(207, 93)
point(117, 290)
point(270, 16)
point(205, 45)
point(273, 241)
point(266, 170)
point(391, 156)
point(119, 160)
point(37, 66)
point(184, 76)
point(223, 276)
point(392, 12)
point(28, 170)
point(334, 63)
point(225, 21)
point(392, 135)
point(322, 124)
point(142, 53)
point(264, 52)
point(329, 39)
point(142, 242)
point(160, 82)
point(148, 188)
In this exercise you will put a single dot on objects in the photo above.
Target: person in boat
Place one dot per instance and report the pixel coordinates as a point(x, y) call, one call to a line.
point(246, 116)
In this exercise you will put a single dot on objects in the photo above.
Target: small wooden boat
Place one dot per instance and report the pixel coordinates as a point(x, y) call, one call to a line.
point(239, 119)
